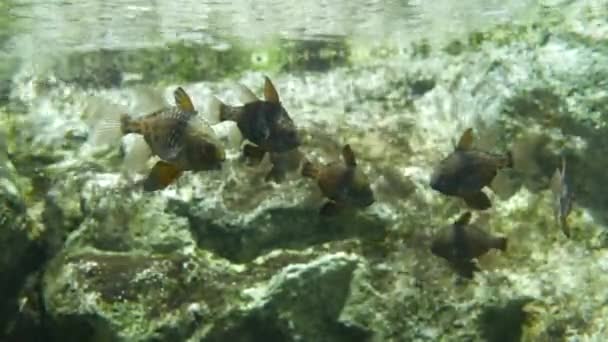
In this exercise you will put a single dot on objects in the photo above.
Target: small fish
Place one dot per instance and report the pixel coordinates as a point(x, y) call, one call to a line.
point(343, 184)
point(563, 198)
point(466, 171)
point(175, 134)
point(461, 242)
point(264, 123)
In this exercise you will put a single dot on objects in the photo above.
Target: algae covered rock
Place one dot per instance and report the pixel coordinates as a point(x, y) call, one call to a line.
point(141, 297)
point(21, 251)
point(135, 296)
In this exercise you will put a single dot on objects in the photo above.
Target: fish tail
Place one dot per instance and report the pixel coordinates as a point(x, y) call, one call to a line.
point(219, 111)
point(501, 243)
point(127, 124)
point(109, 129)
point(478, 201)
point(137, 155)
point(309, 170)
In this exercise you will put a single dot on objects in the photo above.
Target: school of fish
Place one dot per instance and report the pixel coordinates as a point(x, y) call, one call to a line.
point(183, 141)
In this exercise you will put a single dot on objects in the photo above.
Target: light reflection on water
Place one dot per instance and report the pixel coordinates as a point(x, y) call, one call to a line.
point(45, 25)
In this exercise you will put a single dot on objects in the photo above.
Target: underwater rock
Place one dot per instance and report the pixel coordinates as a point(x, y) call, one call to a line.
point(21, 251)
point(140, 297)
point(134, 296)
point(301, 302)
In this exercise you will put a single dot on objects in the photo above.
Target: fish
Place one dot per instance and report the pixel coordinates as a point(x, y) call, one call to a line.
point(177, 135)
point(265, 124)
point(343, 183)
point(466, 171)
point(563, 197)
point(461, 242)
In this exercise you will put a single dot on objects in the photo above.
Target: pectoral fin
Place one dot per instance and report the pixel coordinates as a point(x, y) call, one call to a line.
point(478, 201)
point(161, 176)
point(464, 219)
point(253, 154)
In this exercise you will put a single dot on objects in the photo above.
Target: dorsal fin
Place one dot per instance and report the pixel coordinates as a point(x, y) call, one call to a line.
point(182, 100)
point(466, 140)
point(349, 156)
point(270, 93)
point(245, 94)
point(464, 219)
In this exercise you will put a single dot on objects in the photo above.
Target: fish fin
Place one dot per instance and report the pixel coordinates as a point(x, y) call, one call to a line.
point(507, 161)
point(524, 152)
point(466, 140)
point(214, 109)
point(309, 170)
point(229, 134)
point(464, 219)
point(565, 228)
point(275, 174)
point(245, 94)
point(182, 100)
point(110, 129)
point(330, 208)
point(198, 126)
point(501, 243)
point(161, 176)
point(478, 200)
point(137, 156)
point(254, 154)
point(465, 268)
point(349, 156)
point(503, 185)
point(556, 182)
point(270, 92)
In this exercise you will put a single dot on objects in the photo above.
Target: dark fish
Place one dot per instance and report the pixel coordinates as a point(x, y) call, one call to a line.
point(264, 123)
point(176, 135)
point(342, 183)
point(563, 198)
point(466, 171)
point(461, 242)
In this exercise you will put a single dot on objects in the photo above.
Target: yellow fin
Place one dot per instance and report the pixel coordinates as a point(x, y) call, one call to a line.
point(182, 100)
point(466, 140)
point(270, 92)
point(161, 176)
